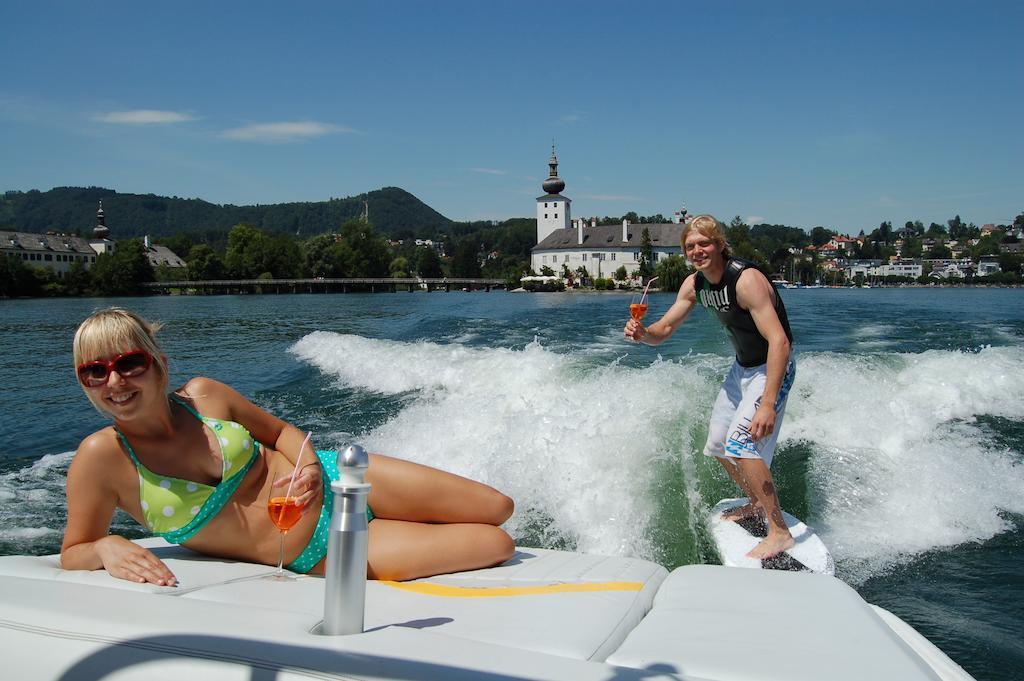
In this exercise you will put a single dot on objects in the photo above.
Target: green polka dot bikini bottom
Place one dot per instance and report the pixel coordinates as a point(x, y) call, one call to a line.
point(316, 549)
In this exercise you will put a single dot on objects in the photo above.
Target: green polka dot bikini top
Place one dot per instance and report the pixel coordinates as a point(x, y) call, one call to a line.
point(176, 509)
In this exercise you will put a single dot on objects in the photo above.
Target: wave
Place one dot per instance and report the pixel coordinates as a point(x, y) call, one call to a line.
point(898, 465)
point(32, 505)
point(901, 465)
point(571, 443)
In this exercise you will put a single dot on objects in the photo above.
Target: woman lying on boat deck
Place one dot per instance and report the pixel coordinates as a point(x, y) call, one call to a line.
point(197, 466)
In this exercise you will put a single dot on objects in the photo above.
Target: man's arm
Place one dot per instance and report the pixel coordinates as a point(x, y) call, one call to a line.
point(756, 294)
point(661, 330)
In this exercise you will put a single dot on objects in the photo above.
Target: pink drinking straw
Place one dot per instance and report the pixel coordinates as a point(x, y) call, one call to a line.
point(298, 460)
point(649, 282)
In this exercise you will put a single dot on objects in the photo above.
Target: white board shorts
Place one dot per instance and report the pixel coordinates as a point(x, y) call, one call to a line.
point(729, 430)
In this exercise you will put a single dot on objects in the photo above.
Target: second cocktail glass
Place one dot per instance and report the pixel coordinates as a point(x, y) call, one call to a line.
point(284, 512)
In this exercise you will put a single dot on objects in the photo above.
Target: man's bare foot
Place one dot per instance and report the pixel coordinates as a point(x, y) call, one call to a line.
point(741, 512)
point(772, 546)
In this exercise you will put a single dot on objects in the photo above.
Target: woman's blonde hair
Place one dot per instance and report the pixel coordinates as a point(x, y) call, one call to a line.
point(709, 227)
point(115, 330)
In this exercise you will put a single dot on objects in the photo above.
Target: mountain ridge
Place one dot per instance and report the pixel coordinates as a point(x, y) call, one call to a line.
point(392, 211)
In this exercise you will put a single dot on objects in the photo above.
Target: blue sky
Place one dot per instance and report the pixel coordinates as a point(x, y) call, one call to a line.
point(800, 113)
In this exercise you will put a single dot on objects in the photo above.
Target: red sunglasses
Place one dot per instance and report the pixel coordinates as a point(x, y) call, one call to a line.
point(132, 363)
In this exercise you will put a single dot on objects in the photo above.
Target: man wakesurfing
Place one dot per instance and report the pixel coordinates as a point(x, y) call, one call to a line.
point(749, 408)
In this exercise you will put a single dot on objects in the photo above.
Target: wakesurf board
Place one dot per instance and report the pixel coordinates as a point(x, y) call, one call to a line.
point(734, 538)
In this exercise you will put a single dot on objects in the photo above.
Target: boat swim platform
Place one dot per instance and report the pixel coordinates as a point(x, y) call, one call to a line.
point(541, 615)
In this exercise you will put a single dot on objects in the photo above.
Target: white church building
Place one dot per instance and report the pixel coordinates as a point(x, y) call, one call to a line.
point(600, 249)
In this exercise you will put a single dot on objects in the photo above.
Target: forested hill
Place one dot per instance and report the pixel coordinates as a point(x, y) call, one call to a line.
point(393, 211)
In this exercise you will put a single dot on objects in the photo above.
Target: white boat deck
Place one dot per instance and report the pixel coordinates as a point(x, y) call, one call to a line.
point(542, 615)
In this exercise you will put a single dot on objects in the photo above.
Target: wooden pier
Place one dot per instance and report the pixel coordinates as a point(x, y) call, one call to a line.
point(320, 285)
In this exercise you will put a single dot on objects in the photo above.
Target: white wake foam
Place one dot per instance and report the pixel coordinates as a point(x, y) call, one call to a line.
point(898, 465)
point(568, 442)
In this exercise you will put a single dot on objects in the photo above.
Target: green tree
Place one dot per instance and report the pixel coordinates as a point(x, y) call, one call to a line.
point(399, 267)
point(987, 245)
point(204, 264)
point(164, 272)
point(938, 251)
point(885, 232)
point(806, 271)
point(368, 254)
point(77, 280)
point(252, 254)
point(123, 271)
point(465, 262)
point(1010, 262)
point(284, 257)
point(17, 278)
point(957, 229)
point(740, 245)
point(323, 256)
point(671, 272)
point(428, 263)
point(620, 274)
point(912, 248)
point(246, 252)
point(646, 255)
point(821, 236)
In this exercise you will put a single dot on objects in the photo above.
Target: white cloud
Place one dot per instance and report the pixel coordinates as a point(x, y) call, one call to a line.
point(754, 219)
point(286, 131)
point(145, 117)
point(488, 171)
point(571, 118)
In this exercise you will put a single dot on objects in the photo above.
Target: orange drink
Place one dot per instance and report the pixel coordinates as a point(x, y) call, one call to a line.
point(284, 512)
point(637, 310)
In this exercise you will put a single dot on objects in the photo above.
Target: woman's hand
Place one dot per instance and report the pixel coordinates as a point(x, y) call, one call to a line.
point(308, 485)
point(127, 560)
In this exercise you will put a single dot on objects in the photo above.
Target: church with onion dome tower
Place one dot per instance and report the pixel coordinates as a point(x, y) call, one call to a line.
point(552, 208)
point(574, 245)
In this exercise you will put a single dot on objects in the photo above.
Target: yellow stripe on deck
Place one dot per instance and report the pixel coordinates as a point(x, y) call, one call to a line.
point(434, 589)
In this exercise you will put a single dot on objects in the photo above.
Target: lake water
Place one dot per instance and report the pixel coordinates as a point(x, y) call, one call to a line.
point(903, 442)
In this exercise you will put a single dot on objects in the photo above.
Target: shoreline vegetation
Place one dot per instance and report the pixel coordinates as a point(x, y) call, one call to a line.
point(390, 237)
point(443, 285)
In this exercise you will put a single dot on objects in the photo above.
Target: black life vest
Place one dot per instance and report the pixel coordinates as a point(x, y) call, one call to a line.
point(751, 347)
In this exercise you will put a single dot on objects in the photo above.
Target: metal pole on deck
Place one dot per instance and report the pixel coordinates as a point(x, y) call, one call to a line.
point(345, 572)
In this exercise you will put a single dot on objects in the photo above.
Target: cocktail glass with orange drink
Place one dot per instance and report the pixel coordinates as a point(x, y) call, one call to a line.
point(284, 512)
point(638, 306)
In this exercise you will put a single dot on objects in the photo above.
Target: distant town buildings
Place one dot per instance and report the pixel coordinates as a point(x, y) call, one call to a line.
point(58, 252)
point(567, 245)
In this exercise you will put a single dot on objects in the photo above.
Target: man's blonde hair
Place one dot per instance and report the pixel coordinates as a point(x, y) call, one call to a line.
point(709, 227)
point(113, 331)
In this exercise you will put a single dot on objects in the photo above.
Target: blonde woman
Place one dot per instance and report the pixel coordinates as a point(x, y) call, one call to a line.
point(196, 466)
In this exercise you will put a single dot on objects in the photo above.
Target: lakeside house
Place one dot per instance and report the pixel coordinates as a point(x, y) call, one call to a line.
point(58, 252)
point(55, 252)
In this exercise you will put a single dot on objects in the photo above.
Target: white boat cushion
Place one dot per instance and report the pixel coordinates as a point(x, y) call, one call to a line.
point(762, 625)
